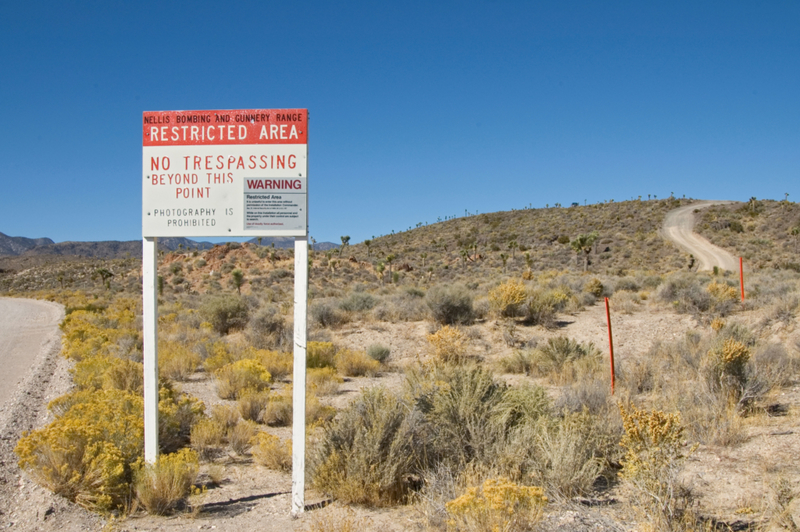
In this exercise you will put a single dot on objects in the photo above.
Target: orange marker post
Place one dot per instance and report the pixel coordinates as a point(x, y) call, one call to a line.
point(610, 346)
point(741, 278)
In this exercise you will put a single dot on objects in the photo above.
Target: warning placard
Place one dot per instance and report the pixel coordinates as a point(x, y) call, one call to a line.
point(225, 173)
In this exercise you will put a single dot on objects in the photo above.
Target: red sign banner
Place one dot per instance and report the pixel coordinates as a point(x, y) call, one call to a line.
point(242, 126)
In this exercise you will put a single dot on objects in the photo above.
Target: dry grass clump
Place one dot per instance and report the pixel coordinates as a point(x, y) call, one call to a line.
point(207, 438)
point(448, 344)
point(251, 403)
point(355, 363)
point(161, 486)
point(563, 360)
point(269, 451)
point(243, 375)
point(323, 381)
point(278, 411)
point(240, 436)
point(498, 504)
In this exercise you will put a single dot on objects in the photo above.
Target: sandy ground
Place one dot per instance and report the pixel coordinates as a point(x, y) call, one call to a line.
point(678, 226)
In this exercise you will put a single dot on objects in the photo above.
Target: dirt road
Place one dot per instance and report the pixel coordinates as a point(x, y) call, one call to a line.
point(678, 227)
point(26, 326)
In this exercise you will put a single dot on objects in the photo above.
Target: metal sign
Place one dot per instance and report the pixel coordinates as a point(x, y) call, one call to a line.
point(225, 173)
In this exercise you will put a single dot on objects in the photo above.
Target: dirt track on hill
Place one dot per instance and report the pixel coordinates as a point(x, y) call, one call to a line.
point(678, 227)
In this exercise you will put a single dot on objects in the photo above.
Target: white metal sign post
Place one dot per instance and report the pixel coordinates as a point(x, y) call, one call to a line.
point(225, 174)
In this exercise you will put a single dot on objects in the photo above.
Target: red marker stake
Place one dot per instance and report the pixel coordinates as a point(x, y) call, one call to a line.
point(741, 278)
point(610, 346)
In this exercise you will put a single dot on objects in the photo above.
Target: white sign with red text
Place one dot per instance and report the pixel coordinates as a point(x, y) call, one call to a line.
point(225, 173)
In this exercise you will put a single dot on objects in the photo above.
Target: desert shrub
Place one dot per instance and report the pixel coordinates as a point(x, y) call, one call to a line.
point(246, 374)
point(225, 313)
point(654, 453)
point(269, 451)
point(251, 403)
point(450, 304)
point(458, 403)
point(107, 372)
point(507, 298)
point(685, 293)
point(625, 302)
point(627, 284)
point(355, 363)
point(519, 361)
point(268, 329)
point(771, 367)
point(449, 344)
point(564, 359)
point(161, 486)
point(327, 314)
point(278, 411)
point(594, 287)
point(726, 366)
point(323, 381)
point(358, 302)
point(207, 437)
point(569, 453)
point(226, 416)
point(125, 375)
point(368, 453)
point(176, 361)
point(378, 352)
point(403, 306)
point(722, 291)
point(542, 305)
point(85, 455)
point(216, 354)
point(241, 435)
point(278, 364)
point(498, 504)
point(320, 355)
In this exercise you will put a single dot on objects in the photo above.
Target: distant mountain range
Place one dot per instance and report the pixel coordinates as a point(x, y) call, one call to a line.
point(114, 249)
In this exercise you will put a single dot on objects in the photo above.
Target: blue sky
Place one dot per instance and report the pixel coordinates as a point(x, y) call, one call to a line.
point(418, 110)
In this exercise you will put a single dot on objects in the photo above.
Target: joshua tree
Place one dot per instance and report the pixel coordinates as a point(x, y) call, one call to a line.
point(796, 234)
point(513, 246)
point(345, 241)
point(389, 260)
point(380, 267)
point(105, 275)
point(237, 279)
point(504, 258)
point(583, 244)
point(368, 243)
point(259, 241)
point(423, 256)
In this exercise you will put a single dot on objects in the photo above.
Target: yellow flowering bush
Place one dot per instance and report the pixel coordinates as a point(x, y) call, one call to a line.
point(507, 298)
point(161, 486)
point(497, 505)
point(448, 343)
point(246, 374)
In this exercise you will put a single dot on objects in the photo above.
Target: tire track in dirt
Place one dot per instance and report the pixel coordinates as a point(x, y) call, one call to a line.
point(678, 228)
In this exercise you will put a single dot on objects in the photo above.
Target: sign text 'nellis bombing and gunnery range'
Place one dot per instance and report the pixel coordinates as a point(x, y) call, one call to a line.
point(225, 173)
